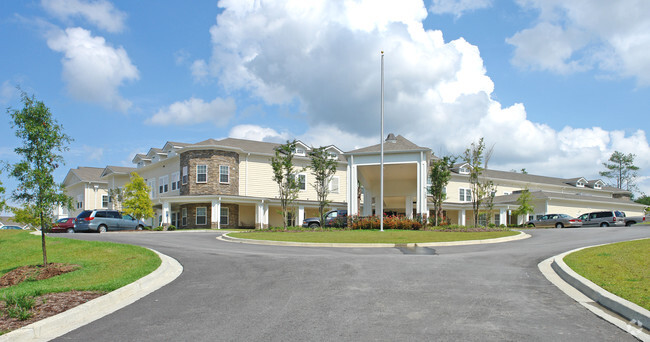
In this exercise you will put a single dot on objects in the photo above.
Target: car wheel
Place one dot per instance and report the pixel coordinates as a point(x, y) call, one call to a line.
point(530, 225)
point(102, 229)
point(559, 225)
point(313, 225)
point(629, 223)
point(139, 227)
point(604, 224)
point(70, 230)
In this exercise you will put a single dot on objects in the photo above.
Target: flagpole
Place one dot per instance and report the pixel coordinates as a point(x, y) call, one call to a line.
point(381, 138)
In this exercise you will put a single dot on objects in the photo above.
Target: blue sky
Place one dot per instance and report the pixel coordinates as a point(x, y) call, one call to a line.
point(555, 87)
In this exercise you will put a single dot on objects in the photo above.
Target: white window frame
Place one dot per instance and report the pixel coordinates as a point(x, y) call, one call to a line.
point(176, 181)
point(467, 193)
point(105, 200)
point(331, 187)
point(580, 184)
point(184, 217)
point(205, 216)
point(301, 184)
point(206, 173)
point(151, 183)
point(185, 175)
point(227, 168)
point(80, 202)
point(163, 187)
point(464, 170)
point(300, 151)
point(227, 216)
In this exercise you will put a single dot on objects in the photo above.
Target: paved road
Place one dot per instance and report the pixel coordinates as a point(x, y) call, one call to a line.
point(238, 292)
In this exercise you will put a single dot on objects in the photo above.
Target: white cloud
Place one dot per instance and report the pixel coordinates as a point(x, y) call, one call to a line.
point(99, 13)
point(458, 7)
point(258, 133)
point(92, 69)
point(195, 111)
point(7, 92)
point(610, 36)
point(314, 55)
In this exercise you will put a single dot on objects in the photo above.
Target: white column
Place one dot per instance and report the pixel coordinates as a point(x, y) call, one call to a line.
point(301, 215)
point(461, 218)
point(418, 192)
point(259, 215)
point(352, 204)
point(166, 207)
point(503, 216)
point(265, 217)
point(408, 206)
point(216, 214)
point(424, 205)
point(367, 202)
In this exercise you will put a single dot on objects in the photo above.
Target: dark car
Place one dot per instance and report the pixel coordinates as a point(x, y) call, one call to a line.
point(63, 225)
point(555, 220)
point(333, 218)
point(11, 228)
point(101, 221)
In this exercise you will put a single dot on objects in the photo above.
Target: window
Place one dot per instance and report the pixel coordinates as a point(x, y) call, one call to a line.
point(80, 203)
point(300, 151)
point(334, 185)
point(201, 215)
point(223, 218)
point(597, 186)
point(152, 185)
point(223, 173)
point(185, 175)
point(497, 219)
point(202, 173)
point(164, 184)
point(464, 195)
point(464, 169)
point(482, 219)
point(333, 155)
point(302, 183)
point(176, 183)
point(580, 184)
point(184, 216)
point(104, 201)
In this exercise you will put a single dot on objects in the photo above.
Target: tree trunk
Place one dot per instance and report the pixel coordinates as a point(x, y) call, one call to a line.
point(43, 241)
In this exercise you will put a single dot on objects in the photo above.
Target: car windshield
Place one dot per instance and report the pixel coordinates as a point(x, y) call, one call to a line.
point(85, 213)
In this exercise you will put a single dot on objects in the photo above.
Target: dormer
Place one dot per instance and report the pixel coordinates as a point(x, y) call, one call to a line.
point(596, 184)
point(462, 169)
point(141, 160)
point(579, 182)
point(301, 149)
point(156, 154)
point(333, 152)
point(171, 148)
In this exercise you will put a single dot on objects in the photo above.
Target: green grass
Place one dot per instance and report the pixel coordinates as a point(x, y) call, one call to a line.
point(372, 236)
point(621, 268)
point(105, 266)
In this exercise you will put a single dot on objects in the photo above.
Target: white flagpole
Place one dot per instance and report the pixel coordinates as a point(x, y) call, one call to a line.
point(381, 138)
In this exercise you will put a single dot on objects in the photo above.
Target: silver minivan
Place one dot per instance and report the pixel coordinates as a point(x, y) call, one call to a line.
point(101, 221)
point(603, 219)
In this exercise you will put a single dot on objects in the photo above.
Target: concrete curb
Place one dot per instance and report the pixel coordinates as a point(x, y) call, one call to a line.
point(622, 313)
point(227, 238)
point(58, 325)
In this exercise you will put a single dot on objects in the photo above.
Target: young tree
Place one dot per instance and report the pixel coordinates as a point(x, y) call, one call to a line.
point(117, 197)
point(27, 215)
point(525, 204)
point(284, 173)
point(323, 168)
point(43, 142)
point(622, 169)
point(439, 175)
point(136, 198)
point(473, 156)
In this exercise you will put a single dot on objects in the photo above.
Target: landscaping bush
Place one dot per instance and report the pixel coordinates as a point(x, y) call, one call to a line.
point(159, 229)
point(390, 222)
point(172, 227)
point(18, 306)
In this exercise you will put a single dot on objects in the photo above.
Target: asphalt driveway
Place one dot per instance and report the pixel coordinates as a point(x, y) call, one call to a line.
point(239, 292)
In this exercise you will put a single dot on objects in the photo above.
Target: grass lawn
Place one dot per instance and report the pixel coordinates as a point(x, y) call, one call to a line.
point(105, 266)
point(373, 236)
point(622, 268)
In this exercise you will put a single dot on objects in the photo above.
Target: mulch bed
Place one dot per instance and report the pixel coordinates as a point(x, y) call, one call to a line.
point(46, 305)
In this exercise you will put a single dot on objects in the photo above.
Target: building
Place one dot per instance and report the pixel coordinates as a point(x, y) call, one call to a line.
point(228, 183)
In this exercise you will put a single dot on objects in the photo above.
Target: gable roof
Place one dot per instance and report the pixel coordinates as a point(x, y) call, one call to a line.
point(401, 144)
point(544, 195)
point(120, 170)
point(84, 174)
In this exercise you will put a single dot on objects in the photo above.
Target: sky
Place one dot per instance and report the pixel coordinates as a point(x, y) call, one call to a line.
point(553, 86)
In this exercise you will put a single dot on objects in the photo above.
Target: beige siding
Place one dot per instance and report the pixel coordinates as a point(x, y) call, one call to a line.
point(162, 168)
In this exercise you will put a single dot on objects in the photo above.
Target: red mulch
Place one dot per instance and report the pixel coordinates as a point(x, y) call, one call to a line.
point(46, 305)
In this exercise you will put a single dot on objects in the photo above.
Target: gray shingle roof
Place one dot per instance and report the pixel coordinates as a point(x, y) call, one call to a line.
point(88, 174)
point(544, 195)
point(401, 144)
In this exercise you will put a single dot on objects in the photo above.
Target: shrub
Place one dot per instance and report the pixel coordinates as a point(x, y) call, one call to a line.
point(172, 227)
point(18, 306)
point(158, 229)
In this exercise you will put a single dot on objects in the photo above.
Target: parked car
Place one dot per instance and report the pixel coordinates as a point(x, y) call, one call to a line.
point(603, 218)
point(63, 225)
point(11, 228)
point(555, 220)
point(333, 218)
point(101, 221)
point(630, 220)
